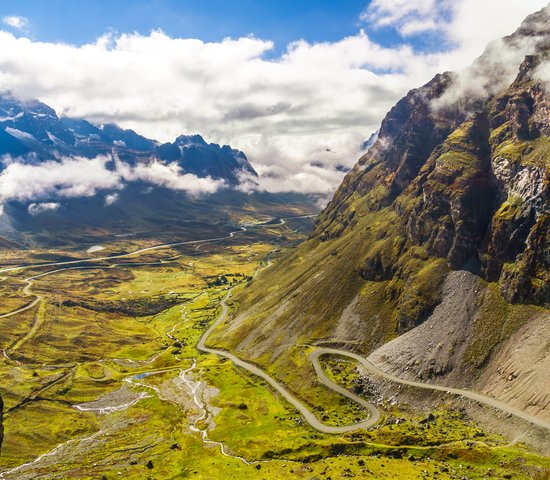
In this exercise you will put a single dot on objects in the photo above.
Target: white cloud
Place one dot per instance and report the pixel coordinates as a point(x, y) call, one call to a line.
point(415, 27)
point(468, 25)
point(15, 21)
point(71, 177)
point(474, 24)
point(490, 73)
point(542, 73)
point(315, 104)
point(169, 176)
point(248, 183)
point(83, 177)
point(111, 198)
point(409, 16)
point(38, 208)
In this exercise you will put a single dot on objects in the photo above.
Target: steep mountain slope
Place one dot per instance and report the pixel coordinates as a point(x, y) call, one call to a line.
point(457, 180)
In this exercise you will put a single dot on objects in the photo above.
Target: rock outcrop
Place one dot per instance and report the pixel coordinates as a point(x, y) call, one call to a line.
point(457, 180)
point(470, 183)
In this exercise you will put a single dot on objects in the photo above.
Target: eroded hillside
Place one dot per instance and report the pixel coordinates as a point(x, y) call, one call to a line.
point(458, 180)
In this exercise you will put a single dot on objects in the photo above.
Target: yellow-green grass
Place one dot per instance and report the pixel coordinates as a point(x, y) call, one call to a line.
point(12, 298)
point(152, 441)
point(38, 427)
point(14, 327)
point(77, 354)
point(256, 423)
point(95, 351)
point(341, 370)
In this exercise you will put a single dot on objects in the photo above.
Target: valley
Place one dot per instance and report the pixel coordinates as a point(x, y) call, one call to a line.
point(149, 398)
point(170, 309)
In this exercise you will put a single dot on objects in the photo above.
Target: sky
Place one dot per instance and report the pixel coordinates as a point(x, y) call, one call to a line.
point(282, 21)
point(297, 85)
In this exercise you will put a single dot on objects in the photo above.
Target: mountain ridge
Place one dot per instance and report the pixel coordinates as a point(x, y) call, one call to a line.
point(32, 128)
point(420, 170)
point(92, 181)
point(453, 183)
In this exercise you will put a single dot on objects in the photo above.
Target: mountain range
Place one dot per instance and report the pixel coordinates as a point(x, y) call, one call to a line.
point(213, 338)
point(32, 129)
point(123, 182)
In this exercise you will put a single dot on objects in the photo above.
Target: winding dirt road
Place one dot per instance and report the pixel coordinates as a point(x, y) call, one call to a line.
point(26, 290)
point(309, 417)
point(123, 255)
point(478, 397)
point(370, 367)
point(374, 416)
point(282, 221)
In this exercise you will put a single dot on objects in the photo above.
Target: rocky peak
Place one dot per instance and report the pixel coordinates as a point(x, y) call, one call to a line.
point(32, 131)
point(197, 156)
point(196, 139)
point(535, 24)
point(464, 162)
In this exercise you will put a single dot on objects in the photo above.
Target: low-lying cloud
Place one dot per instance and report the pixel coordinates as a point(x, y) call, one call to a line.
point(169, 176)
point(111, 198)
point(491, 73)
point(542, 73)
point(70, 177)
point(83, 177)
point(38, 208)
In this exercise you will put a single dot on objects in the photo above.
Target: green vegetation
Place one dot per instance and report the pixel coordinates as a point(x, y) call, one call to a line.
point(527, 152)
point(109, 358)
point(509, 210)
point(83, 340)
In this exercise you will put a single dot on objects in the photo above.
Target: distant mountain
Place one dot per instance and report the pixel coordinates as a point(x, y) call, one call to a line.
point(33, 129)
point(203, 159)
point(151, 200)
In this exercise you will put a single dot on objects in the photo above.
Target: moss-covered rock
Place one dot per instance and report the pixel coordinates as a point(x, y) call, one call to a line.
point(469, 185)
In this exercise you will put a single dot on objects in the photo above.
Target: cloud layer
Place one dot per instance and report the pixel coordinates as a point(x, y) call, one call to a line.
point(83, 177)
point(298, 116)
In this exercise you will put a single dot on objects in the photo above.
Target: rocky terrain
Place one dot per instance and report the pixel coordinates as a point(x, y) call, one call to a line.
point(457, 346)
point(440, 230)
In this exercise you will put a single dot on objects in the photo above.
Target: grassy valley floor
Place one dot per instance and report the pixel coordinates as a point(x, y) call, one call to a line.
point(101, 378)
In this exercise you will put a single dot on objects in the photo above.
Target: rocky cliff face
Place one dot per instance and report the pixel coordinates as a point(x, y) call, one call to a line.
point(458, 179)
point(468, 176)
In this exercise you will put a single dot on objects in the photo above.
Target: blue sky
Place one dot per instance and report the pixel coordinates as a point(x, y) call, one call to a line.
point(282, 21)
